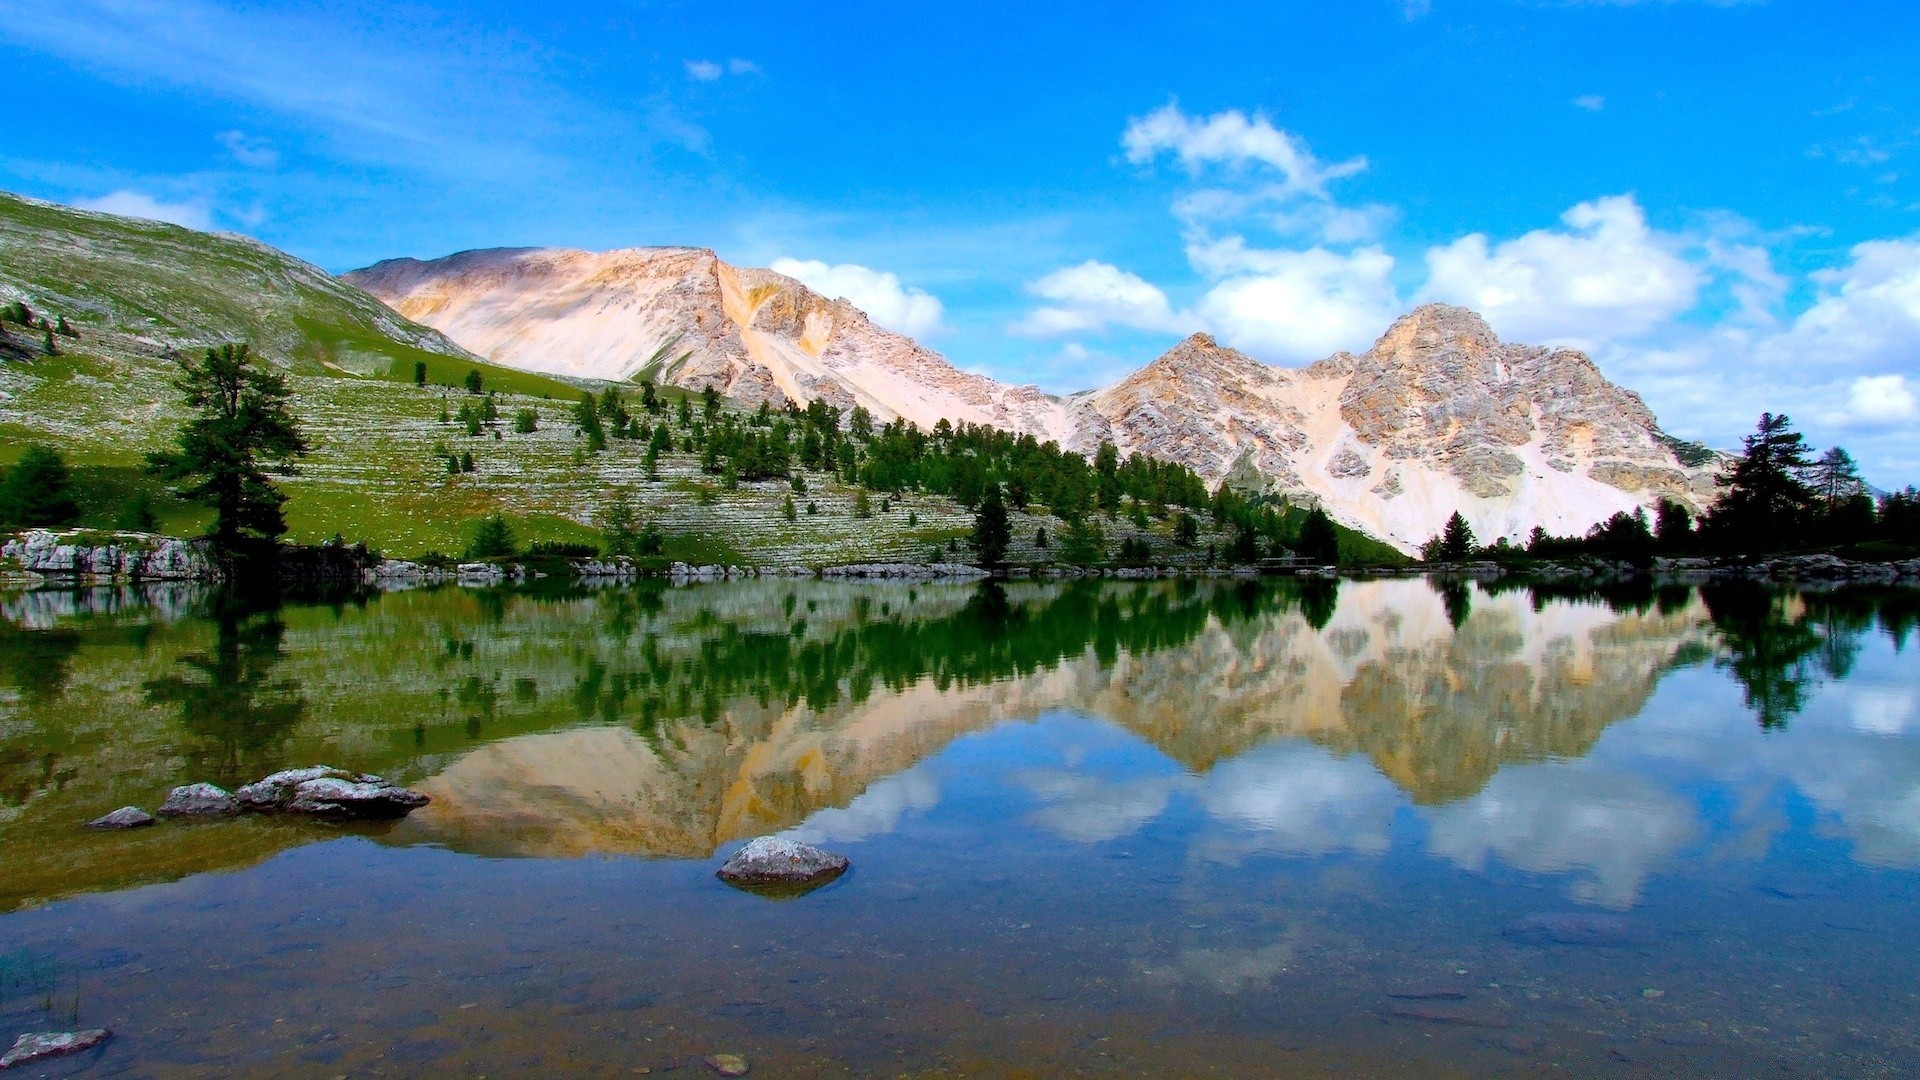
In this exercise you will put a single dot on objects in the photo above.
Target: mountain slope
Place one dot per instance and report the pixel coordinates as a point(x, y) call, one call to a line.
point(1438, 416)
point(682, 317)
point(152, 287)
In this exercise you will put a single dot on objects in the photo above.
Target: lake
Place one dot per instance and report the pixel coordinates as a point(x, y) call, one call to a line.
point(1184, 828)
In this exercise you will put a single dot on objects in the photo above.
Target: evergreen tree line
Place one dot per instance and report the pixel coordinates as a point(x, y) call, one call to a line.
point(1776, 497)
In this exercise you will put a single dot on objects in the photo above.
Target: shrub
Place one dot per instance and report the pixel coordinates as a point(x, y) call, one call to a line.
point(38, 491)
point(492, 539)
point(526, 421)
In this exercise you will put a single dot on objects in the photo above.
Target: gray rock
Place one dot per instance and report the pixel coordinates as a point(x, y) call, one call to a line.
point(334, 797)
point(37, 1045)
point(776, 863)
point(274, 792)
point(727, 1064)
point(127, 817)
point(199, 800)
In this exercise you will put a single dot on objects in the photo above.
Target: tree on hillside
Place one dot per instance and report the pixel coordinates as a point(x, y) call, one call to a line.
point(586, 417)
point(1319, 543)
point(1454, 542)
point(474, 381)
point(1672, 526)
point(1834, 478)
point(240, 421)
point(38, 492)
point(492, 539)
point(991, 532)
point(1764, 502)
point(419, 373)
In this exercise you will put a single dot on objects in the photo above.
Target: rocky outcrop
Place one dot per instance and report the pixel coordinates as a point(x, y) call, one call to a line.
point(91, 556)
point(316, 791)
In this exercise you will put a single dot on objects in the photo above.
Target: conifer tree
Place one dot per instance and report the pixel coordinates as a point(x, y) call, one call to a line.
point(1764, 503)
point(991, 532)
point(38, 492)
point(240, 422)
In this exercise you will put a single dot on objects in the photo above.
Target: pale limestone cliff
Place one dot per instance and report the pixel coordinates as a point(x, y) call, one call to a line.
point(1439, 415)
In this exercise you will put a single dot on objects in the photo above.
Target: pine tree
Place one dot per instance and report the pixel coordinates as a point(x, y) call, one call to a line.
point(991, 532)
point(38, 492)
point(64, 330)
point(1764, 504)
point(48, 345)
point(788, 510)
point(1834, 478)
point(1319, 543)
point(419, 373)
point(1455, 541)
point(1672, 526)
point(474, 381)
point(526, 422)
point(240, 422)
point(492, 539)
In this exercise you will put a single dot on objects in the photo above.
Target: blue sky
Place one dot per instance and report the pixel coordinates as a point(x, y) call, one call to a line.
point(1718, 200)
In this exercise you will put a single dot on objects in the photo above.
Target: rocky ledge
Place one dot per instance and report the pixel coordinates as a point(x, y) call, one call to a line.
point(777, 866)
point(92, 556)
point(318, 791)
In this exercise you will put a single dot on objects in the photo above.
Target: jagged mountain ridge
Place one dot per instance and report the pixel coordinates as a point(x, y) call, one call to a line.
point(1438, 415)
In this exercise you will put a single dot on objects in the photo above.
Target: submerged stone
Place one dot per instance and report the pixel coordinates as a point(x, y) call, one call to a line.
point(776, 864)
point(199, 800)
point(341, 798)
point(127, 817)
point(36, 1045)
point(1574, 928)
point(727, 1064)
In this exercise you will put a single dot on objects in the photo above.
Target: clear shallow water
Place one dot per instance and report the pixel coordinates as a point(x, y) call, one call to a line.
point(1184, 829)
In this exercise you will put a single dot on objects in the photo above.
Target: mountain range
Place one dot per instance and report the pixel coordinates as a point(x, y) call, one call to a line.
point(1438, 416)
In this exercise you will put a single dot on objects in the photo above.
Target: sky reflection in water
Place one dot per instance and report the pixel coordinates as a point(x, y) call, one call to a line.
point(1203, 828)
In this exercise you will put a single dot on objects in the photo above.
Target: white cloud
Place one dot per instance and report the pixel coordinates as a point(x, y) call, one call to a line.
point(1606, 276)
point(1613, 828)
point(193, 215)
point(902, 309)
point(738, 66)
point(1590, 102)
point(1095, 295)
point(1293, 798)
point(704, 70)
point(1881, 399)
point(1414, 9)
point(1232, 139)
point(1296, 305)
point(252, 152)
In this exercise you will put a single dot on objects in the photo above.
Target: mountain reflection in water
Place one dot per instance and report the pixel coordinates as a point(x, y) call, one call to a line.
point(1212, 827)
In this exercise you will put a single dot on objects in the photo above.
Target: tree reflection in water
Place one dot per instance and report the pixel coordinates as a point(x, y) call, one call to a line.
point(229, 699)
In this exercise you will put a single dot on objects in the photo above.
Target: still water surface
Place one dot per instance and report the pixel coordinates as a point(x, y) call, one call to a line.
point(1175, 828)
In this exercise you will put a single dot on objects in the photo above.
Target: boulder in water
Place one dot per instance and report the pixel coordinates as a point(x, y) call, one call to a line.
point(773, 864)
point(127, 817)
point(36, 1045)
point(334, 797)
point(276, 791)
point(199, 800)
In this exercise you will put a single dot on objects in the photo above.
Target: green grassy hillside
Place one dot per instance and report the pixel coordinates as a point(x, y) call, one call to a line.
point(141, 293)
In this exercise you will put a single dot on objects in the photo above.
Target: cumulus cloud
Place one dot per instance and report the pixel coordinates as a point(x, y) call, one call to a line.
point(1294, 798)
point(1881, 399)
point(1232, 139)
point(1297, 305)
point(704, 70)
point(1606, 275)
point(1095, 295)
point(193, 215)
point(902, 309)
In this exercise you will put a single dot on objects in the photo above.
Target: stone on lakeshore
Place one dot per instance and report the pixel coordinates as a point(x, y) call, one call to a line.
point(36, 1045)
point(274, 792)
point(334, 797)
point(727, 1064)
point(199, 800)
point(778, 865)
point(127, 817)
